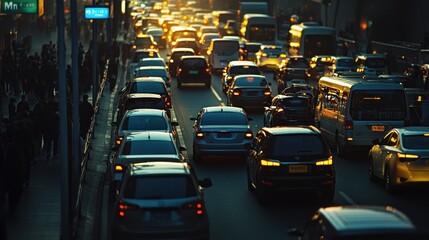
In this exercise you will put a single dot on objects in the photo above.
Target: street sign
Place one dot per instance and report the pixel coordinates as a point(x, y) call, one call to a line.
point(97, 12)
point(18, 6)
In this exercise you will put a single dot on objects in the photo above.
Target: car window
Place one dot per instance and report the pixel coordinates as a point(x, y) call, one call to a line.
point(297, 144)
point(415, 141)
point(136, 103)
point(148, 147)
point(144, 123)
point(238, 70)
point(295, 102)
point(151, 73)
point(160, 187)
point(147, 87)
point(226, 47)
point(224, 118)
point(251, 81)
point(194, 63)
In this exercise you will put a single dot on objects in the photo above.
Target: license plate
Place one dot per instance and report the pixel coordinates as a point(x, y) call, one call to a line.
point(377, 128)
point(159, 216)
point(274, 56)
point(298, 168)
point(193, 72)
point(224, 134)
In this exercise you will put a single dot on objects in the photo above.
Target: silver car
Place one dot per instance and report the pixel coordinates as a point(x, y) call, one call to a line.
point(221, 130)
point(401, 158)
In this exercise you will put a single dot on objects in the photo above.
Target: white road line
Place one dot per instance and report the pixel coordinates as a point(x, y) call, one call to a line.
point(215, 93)
point(347, 198)
point(179, 131)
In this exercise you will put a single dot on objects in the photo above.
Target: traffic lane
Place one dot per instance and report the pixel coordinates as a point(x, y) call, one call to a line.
point(234, 212)
point(353, 187)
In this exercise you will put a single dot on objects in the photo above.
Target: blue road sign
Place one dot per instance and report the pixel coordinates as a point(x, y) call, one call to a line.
point(97, 12)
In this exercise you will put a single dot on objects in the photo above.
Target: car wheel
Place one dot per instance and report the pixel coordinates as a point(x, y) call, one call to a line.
point(388, 180)
point(371, 170)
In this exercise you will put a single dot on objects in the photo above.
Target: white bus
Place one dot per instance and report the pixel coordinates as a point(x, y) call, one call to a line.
point(260, 28)
point(352, 111)
point(311, 40)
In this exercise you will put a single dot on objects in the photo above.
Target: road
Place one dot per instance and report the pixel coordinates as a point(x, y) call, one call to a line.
point(234, 212)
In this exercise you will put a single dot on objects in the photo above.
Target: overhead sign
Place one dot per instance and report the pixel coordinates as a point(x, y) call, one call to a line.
point(18, 6)
point(97, 12)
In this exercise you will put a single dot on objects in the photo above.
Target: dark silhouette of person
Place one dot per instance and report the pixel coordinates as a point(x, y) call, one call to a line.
point(23, 106)
point(86, 111)
point(51, 128)
point(12, 108)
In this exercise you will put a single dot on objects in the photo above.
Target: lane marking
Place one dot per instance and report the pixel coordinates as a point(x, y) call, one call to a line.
point(179, 132)
point(215, 93)
point(347, 198)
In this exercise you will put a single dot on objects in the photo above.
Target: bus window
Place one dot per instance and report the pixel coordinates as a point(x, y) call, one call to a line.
point(378, 105)
point(261, 33)
point(319, 45)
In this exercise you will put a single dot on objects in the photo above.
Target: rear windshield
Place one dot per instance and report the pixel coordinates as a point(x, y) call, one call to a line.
point(178, 55)
point(378, 105)
point(151, 73)
point(297, 145)
point(376, 62)
point(136, 103)
point(140, 55)
point(226, 48)
point(151, 62)
point(160, 187)
point(184, 34)
point(224, 118)
point(251, 81)
point(295, 102)
point(345, 62)
point(240, 70)
point(148, 147)
point(194, 63)
point(297, 63)
point(148, 87)
point(142, 41)
point(416, 142)
point(144, 123)
point(253, 48)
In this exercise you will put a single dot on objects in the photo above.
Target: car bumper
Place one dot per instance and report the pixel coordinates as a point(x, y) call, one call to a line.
point(223, 149)
point(283, 184)
point(250, 102)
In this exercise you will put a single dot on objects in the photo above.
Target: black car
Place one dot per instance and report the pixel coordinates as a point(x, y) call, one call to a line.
point(236, 68)
point(293, 67)
point(290, 109)
point(290, 159)
point(249, 91)
point(249, 51)
point(174, 57)
point(193, 69)
point(141, 100)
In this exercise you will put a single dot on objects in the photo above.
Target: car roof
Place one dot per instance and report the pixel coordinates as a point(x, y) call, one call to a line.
point(149, 136)
point(193, 57)
point(413, 130)
point(157, 168)
point(372, 218)
point(223, 109)
point(148, 79)
point(146, 50)
point(250, 76)
point(151, 59)
point(182, 50)
point(145, 112)
point(291, 130)
point(185, 40)
point(143, 95)
point(241, 63)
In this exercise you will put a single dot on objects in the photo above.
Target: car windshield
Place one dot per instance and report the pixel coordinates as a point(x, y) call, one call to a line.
point(148, 147)
point(224, 118)
point(184, 34)
point(142, 41)
point(295, 102)
point(160, 187)
point(136, 103)
point(147, 87)
point(251, 81)
point(297, 63)
point(239, 70)
point(273, 51)
point(253, 48)
point(416, 141)
point(144, 123)
point(140, 55)
point(178, 55)
point(297, 145)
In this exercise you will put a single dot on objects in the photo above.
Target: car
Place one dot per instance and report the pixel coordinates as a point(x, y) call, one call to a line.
point(159, 36)
point(319, 65)
point(144, 41)
point(249, 51)
point(249, 91)
point(293, 67)
point(144, 119)
point(151, 62)
point(154, 71)
point(205, 39)
point(177, 32)
point(141, 100)
point(341, 64)
point(371, 64)
point(235, 68)
point(230, 28)
point(221, 130)
point(207, 29)
point(369, 222)
point(290, 159)
point(288, 110)
point(174, 57)
point(299, 86)
point(140, 54)
point(188, 43)
point(162, 200)
point(193, 69)
point(401, 158)
point(269, 57)
point(154, 85)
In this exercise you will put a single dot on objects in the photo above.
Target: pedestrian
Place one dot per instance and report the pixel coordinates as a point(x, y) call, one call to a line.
point(12, 108)
point(23, 106)
point(86, 112)
point(51, 128)
point(39, 113)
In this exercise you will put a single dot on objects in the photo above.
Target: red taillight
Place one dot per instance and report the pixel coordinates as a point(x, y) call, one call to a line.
point(119, 140)
point(179, 70)
point(267, 92)
point(124, 207)
point(207, 70)
point(198, 206)
point(167, 101)
point(348, 125)
point(200, 135)
point(236, 92)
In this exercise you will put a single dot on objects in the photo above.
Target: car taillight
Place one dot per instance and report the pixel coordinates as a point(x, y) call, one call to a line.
point(163, 37)
point(124, 207)
point(270, 163)
point(198, 206)
point(207, 70)
point(119, 168)
point(348, 125)
point(236, 92)
point(267, 92)
point(119, 140)
point(200, 135)
point(167, 101)
point(179, 70)
point(249, 135)
point(404, 157)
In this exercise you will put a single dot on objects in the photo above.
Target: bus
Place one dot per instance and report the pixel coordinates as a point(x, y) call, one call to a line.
point(260, 28)
point(351, 110)
point(310, 40)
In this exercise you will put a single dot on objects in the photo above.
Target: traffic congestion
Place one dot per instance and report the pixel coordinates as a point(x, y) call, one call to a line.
point(225, 131)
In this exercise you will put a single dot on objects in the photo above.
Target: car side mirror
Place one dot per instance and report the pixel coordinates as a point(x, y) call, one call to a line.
point(205, 183)
point(174, 124)
point(375, 141)
point(182, 148)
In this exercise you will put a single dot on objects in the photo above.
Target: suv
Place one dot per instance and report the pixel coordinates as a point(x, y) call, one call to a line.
point(290, 159)
point(144, 41)
point(289, 110)
point(174, 57)
point(358, 222)
point(188, 43)
point(293, 67)
point(140, 54)
point(319, 65)
point(371, 64)
point(161, 200)
point(141, 100)
point(235, 68)
point(193, 69)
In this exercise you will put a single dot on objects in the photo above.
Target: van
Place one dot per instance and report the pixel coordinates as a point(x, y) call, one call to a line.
point(221, 52)
point(371, 64)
